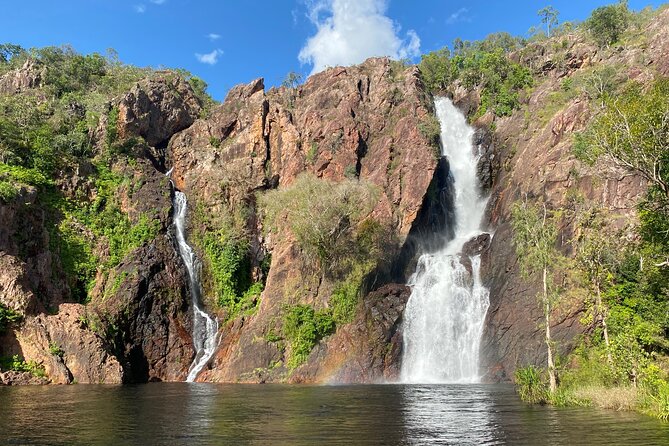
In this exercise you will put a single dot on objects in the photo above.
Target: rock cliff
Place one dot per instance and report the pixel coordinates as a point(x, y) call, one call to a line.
point(373, 124)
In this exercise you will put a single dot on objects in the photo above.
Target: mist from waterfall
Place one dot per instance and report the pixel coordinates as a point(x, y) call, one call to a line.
point(205, 327)
point(444, 317)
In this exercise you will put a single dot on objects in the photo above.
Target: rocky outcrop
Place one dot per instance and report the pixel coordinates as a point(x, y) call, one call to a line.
point(369, 350)
point(143, 309)
point(29, 76)
point(14, 378)
point(30, 278)
point(157, 108)
point(136, 327)
point(67, 348)
point(358, 122)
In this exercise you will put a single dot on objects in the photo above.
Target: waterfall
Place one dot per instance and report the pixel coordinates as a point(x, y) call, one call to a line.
point(205, 327)
point(445, 313)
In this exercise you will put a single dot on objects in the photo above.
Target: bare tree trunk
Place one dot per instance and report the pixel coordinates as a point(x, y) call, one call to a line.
point(547, 315)
point(602, 315)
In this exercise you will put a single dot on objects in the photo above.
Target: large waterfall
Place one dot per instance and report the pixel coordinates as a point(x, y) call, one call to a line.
point(445, 313)
point(205, 327)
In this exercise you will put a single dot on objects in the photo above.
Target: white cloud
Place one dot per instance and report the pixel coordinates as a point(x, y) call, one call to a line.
point(350, 31)
point(213, 36)
point(458, 16)
point(157, 2)
point(140, 9)
point(209, 58)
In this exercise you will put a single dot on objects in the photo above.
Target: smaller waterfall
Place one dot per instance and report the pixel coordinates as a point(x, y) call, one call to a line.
point(205, 327)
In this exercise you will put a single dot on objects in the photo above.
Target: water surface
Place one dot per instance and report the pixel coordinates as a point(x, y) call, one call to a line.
point(209, 414)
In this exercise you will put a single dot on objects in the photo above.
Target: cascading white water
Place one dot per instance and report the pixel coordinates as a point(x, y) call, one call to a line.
point(445, 313)
point(205, 327)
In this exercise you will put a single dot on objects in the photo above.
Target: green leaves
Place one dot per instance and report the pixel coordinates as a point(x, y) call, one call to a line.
point(8, 316)
point(304, 327)
point(534, 236)
point(607, 23)
point(484, 64)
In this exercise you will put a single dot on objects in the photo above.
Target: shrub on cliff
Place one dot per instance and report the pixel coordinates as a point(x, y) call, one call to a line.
point(7, 317)
point(436, 69)
point(303, 327)
point(322, 215)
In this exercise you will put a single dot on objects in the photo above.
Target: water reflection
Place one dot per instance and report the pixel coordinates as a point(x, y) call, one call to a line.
point(180, 414)
point(450, 414)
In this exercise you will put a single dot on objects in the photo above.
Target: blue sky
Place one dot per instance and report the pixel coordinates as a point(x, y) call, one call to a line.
point(227, 42)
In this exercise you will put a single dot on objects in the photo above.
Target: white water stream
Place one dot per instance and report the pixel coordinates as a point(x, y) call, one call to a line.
point(445, 313)
point(205, 327)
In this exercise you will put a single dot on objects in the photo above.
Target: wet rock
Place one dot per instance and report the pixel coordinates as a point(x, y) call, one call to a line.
point(476, 245)
point(14, 378)
point(487, 164)
point(369, 349)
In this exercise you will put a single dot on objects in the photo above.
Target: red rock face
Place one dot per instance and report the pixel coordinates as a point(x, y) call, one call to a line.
point(359, 121)
point(534, 150)
point(156, 109)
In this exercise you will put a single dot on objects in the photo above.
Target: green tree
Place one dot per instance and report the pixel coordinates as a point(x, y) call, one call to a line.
point(549, 17)
point(8, 51)
point(534, 237)
point(292, 80)
point(596, 256)
point(436, 70)
point(607, 23)
point(633, 132)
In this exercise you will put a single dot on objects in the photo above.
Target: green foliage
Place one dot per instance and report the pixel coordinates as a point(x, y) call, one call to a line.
point(313, 152)
point(549, 17)
point(483, 64)
point(7, 191)
point(7, 317)
point(661, 402)
point(430, 128)
point(68, 71)
point(322, 215)
point(304, 327)
point(76, 226)
point(535, 235)
point(215, 142)
point(8, 51)
point(436, 69)
point(607, 23)
point(47, 133)
point(530, 386)
point(228, 263)
point(18, 364)
point(55, 349)
point(345, 296)
point(372, 247)
point(632, 130)
point(230, 276)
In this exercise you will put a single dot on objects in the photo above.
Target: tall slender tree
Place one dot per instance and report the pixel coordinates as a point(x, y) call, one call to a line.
point(549, 17)
point(534, 237)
